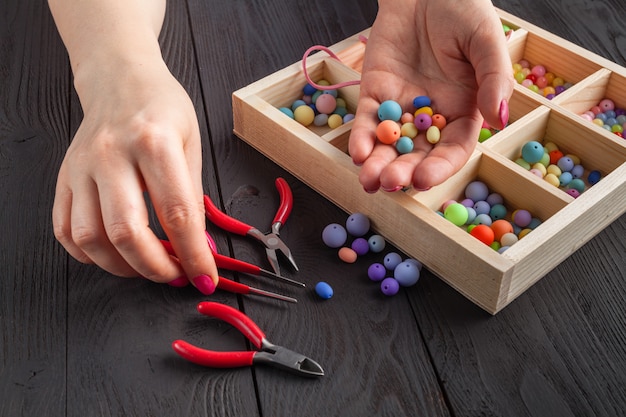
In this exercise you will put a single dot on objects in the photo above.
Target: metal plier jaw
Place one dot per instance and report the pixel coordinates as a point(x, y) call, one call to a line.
point(286, 359)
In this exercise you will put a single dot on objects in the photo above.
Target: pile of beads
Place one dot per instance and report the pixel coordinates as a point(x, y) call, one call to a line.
point(539, 80)
point(399, 128)
point(487, 218)
point(319, 107)
point(608, 116)
point(394, 272)
point(357, 225)
point(561, 170)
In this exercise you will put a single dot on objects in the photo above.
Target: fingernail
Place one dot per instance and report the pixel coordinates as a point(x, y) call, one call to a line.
point(356, 163)
point(179, 282)
point(370, 191)
point(422, 189)
point(504, 113)
point(393, 190)
point(204, 284)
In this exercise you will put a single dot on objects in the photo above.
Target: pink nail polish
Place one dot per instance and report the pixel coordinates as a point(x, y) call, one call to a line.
point(204, 284)
point(393, 190)
point(422, 189)
point(370, 191)
point(179, 282)
point(504, 113)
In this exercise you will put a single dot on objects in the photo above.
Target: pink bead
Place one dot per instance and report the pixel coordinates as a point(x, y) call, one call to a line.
point(407, 118)
point(607, 104)
point(326, 103)
point(541, 81)
point(596, 110)
point(588, 116)
point(527, 83)
point(524, 63)
point(573, 192)
point(539, 70)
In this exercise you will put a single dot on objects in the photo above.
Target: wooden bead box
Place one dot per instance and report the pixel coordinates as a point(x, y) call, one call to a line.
point(318, 157)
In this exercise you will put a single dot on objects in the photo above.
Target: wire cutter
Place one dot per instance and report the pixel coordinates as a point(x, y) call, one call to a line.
point(268, 353)
point(271, 240)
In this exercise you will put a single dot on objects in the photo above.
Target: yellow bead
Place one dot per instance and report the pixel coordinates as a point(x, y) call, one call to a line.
point(304, 115)
point(552, 179)
point(554, 169)
point(540, 167)
point(334, 121)
point(523, 233)
point(409, 129)
point(550, 146)
point(433, 134)
point(425, 109)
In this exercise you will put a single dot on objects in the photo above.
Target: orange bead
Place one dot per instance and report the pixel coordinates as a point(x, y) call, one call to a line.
point(483, 233)
point(555, 155)
point(501, 227)
point(439, 121)
point(388, 131)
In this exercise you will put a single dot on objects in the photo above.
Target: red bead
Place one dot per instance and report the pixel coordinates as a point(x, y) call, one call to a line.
point(555, 155)
point(531, 77)
point(619, 134)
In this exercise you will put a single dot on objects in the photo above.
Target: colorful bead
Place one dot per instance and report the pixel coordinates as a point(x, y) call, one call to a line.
point(389, 110)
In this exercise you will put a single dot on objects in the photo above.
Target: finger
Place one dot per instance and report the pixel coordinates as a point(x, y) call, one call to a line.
point(494, 75)
point(89, 234)
point(61, 220)
point(362, 136)
point(180, 208)
point(448, 156)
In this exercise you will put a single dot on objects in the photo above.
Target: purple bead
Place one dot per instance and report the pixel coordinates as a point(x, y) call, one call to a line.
point(423, 121)
point(360, 246)
point(406, 273)
point(468, 202)
point(376, 272)
point(482, 207)
point(334, 235)
point(389, 286)
point(392, 259)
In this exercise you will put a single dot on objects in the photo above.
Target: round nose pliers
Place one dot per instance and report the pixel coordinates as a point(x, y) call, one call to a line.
point(271, 240)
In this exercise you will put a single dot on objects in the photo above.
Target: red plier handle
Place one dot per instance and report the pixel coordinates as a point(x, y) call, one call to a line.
point(286, 201)
point(217, 359)
point(233, 225)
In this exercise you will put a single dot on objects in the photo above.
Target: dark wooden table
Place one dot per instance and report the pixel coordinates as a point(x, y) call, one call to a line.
point(76, 341)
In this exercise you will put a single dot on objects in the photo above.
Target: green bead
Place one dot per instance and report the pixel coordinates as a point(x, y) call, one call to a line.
point(484, 134)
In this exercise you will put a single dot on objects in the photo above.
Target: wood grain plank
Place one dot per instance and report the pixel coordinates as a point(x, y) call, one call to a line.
point(33, 128)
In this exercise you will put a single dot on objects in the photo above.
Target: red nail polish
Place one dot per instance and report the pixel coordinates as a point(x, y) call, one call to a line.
point(204, 284)
point(504, 113)
point(179, 282)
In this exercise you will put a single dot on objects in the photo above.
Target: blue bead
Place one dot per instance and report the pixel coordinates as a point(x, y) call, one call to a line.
point(309, 90)
point(532, 152)
point(483, 218)
point(482, 207)
point(498, 211)
point(404, 145)
point(389, 110)
point(392, 259)
point(421, 101)
point(578, 171)
point(358, 224)
point(377, 243)
point(594, 177)
point(287, 111)
point(323, 290)
point(406, 273)
point(297, 104)
point(565, 178)
point(334, 235)
point(376, 272)
point(477, 191)
point(565, 163)
point(389, 286)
